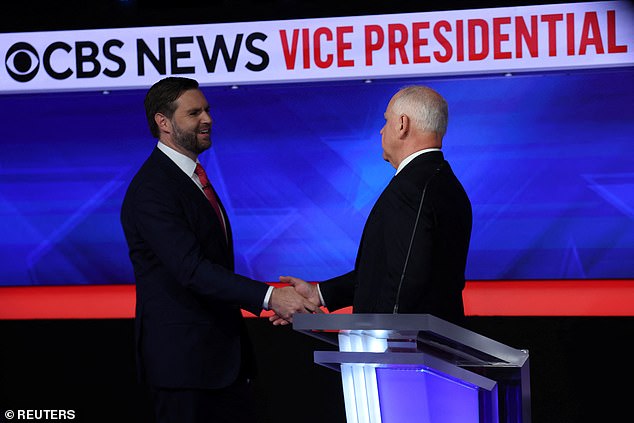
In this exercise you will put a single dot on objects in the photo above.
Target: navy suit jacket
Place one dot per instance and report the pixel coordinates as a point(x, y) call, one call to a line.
point(189, 327)
point(435, 275)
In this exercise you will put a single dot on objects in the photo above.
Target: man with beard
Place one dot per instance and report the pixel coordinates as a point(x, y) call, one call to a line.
point(191, 343)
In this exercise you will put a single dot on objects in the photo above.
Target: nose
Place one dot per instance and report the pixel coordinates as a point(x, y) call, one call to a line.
point(206, 117)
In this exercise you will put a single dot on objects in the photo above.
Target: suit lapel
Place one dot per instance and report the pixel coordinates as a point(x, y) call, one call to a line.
point(191, 190)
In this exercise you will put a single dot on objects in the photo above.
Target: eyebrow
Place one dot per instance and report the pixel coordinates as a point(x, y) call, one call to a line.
point(197, 109)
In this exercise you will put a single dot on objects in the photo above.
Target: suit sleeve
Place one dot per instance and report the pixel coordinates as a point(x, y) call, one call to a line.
point(161, 223)
point(338, 292)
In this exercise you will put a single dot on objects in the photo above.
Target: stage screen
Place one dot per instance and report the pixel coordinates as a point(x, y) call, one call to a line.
point(546, 158)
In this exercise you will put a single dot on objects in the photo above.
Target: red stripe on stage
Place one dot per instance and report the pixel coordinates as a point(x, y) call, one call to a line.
point(482, 298)
point(67, 302)
point(550, 298)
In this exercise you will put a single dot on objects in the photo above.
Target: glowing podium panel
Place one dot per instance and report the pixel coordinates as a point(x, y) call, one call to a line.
point(402, 368)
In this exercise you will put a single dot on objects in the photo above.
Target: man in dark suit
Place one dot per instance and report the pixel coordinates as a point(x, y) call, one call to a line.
point(192, 348)
point(413, 250)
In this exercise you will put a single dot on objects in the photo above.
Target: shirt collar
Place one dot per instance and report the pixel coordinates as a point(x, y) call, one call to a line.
point(411, 157)
point(186, 164)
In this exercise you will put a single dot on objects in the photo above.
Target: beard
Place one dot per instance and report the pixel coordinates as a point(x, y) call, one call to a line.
point(188, 140)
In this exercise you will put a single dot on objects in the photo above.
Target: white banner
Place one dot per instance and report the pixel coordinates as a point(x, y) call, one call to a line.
point(460, 42)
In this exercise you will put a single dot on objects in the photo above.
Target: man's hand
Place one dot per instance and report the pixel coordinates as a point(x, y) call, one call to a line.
point(286, 301)
point(303, 288)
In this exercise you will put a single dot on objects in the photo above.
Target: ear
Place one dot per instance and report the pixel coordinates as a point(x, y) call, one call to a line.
point(404, 124)
point(163, 123)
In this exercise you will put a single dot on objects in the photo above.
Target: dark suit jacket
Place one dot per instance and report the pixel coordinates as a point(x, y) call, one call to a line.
point(189, 328)
point(435, 273)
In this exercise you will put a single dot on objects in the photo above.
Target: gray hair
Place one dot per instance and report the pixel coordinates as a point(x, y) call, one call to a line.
point(426, 108)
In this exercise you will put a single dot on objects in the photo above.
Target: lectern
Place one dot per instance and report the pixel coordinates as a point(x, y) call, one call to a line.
point(402, 368)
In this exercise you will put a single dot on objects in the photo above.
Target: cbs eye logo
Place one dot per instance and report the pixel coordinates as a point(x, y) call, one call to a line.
point(22, 62)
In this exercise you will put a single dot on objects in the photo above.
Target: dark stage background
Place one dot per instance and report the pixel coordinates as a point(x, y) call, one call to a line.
point(580, 369)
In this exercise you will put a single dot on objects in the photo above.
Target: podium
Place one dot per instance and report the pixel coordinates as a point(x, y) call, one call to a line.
point(402, 368)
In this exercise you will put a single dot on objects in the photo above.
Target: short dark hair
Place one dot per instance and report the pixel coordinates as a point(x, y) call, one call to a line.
point(162, 96)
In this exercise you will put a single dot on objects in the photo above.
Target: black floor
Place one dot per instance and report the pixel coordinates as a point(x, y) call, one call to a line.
point(581, 369)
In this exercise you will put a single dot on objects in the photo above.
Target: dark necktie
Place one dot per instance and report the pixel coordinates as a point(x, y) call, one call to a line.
point(210, 194)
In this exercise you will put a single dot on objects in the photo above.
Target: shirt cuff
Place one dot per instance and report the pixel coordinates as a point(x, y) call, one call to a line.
point(321, 298)
point(267, 297)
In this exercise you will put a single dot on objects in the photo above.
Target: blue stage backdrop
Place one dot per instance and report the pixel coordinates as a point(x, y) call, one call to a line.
point(547, 159)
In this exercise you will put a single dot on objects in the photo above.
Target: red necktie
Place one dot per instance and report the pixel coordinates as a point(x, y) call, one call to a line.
point(209, 193)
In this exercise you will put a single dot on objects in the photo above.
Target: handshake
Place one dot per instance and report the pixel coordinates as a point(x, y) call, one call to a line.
point(300, 297)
